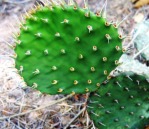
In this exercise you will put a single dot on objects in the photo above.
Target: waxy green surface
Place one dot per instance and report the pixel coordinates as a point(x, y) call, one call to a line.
point(121, 103)
point(66, 50)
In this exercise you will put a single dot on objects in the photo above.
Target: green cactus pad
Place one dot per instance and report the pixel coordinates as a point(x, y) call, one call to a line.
point(66, 50)
point(121, 103)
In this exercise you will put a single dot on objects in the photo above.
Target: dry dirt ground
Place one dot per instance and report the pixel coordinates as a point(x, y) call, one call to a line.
point(28, 108)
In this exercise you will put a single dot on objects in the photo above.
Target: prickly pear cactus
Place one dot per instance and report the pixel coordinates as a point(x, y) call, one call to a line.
point(66, 49)
point(121, 103)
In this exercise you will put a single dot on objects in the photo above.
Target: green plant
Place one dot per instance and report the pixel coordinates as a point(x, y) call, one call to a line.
point(55, 54)
point(121, 103)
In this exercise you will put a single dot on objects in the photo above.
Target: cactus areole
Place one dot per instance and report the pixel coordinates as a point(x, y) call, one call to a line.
point(66, 49)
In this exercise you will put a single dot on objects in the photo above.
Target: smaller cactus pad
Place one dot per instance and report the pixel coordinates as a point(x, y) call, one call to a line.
point(66, 49)
point(121, 103)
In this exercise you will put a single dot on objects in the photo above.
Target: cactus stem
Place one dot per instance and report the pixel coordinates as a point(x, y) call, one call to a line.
point(53, 49)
